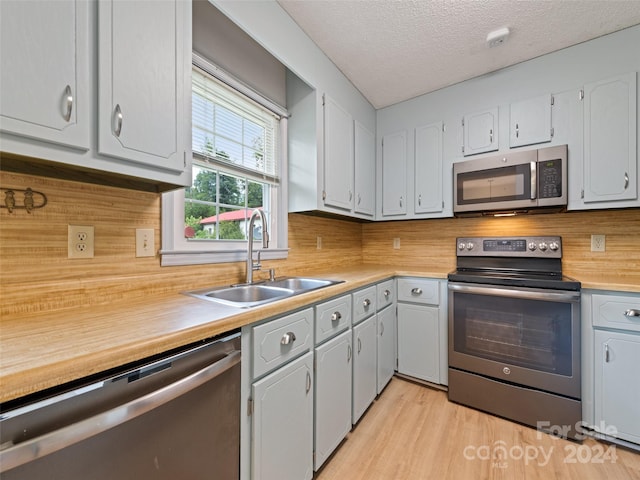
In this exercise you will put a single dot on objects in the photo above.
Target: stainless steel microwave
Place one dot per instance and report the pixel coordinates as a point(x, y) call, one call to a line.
point(514, 182)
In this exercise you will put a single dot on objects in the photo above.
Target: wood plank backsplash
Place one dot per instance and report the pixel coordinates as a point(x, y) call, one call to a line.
point(37, 276)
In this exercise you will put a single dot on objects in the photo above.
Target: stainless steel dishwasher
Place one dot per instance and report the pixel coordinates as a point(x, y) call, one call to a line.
point(173, 417)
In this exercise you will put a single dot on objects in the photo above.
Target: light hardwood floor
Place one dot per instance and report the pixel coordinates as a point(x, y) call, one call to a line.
point(413, 432)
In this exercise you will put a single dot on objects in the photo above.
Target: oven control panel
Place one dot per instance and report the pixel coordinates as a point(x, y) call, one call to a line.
point(546, 247)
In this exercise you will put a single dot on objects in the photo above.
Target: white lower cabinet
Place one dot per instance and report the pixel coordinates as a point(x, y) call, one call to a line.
point(333, 395)
point(617, 385)
point(364, 366)
point(282, 429)
point(386, 320)
point(418, 349)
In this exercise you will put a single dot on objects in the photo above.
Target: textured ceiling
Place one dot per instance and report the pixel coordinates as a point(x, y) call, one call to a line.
point(393, 50)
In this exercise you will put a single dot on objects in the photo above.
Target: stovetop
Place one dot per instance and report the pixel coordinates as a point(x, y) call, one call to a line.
point(525, 261)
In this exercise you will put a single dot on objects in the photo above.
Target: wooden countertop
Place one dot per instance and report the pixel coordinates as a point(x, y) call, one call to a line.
point(46, 350)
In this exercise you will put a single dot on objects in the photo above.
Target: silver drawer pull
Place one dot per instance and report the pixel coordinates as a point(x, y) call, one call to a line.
point(359, 345)
point(632, 312)
point(68, 97)
point(606, 353)
point(117, 117)
point(387, 293)
point(308, 388)
point(288, 338)
point(336, 316)
point(416, 291)
point(349, 351)
point(366, 303)
point(626, 180)
point(381, 329)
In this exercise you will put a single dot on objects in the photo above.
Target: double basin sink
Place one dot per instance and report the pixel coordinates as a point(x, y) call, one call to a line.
point(246, 296)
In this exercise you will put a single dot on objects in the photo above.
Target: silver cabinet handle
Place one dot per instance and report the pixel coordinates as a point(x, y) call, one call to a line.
point(288, 338)
point(308, 382)
point(416, 291)
point(366, 303)
point(359, 199)
point(117, 119)
point(401, 199)
point(632, 312)
point(359, 345)
point(626, 180)
point(420, 200)
point(348, 353)
point(350, 195)
point(381, 329)
point(517, 130)
point(68, 97)
point(387, 293)
point(606, 353)
point(491, 135)
point(336, 316)
point(37, 447)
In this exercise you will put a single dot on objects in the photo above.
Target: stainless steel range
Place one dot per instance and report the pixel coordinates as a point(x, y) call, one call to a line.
point(514, 332)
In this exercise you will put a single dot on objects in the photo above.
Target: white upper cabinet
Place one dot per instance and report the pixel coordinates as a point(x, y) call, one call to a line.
point(338, 155)
point(141, 82)
point(45, 71)
point(428, 169)
point(394, 173)
point(480, 132)
point(365, 170)
point(530, 121)
point(610, 136)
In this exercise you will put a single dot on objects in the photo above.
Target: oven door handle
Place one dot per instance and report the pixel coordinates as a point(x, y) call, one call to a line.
point(552, 296)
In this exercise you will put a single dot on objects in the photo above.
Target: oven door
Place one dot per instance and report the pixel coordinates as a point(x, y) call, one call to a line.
point(524, 336)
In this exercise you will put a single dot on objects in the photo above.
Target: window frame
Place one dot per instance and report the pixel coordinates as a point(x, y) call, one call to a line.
point(178, 250)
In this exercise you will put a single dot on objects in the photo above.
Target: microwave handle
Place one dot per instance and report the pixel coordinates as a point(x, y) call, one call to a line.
point(534, 180)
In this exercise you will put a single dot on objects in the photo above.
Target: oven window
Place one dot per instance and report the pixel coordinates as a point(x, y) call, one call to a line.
point(534, 334)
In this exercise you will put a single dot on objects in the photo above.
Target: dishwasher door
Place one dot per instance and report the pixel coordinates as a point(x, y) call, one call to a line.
point(176, 417)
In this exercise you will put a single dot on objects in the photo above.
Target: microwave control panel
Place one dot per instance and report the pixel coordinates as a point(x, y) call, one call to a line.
point(550, 178)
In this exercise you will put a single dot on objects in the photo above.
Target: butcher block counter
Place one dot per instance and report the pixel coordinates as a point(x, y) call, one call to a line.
point(45, 350)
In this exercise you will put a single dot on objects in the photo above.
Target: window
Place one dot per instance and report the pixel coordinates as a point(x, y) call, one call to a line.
point(237, 168)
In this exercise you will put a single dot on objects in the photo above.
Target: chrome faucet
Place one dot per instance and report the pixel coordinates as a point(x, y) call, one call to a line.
point(265, 243)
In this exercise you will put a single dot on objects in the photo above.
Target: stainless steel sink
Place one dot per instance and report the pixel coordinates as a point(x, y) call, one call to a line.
point(245, 296)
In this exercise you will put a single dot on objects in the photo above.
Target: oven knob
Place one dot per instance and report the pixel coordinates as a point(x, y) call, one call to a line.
point(554, 246)
point(470, 246)
point(532, 246)
point(461, 246)
point(542, 246)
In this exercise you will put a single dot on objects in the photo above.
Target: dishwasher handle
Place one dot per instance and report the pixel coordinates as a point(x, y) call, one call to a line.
point(51, 442)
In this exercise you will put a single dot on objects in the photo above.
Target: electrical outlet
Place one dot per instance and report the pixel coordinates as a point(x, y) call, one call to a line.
point(597, 243)
point(80, 241)
point(145, 242)
point(319, 243)
point(396, 244)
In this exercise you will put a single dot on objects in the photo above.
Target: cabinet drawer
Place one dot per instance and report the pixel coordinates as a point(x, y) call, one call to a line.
point(364, 303)
point(280, 340)
point(419, 290)
point(386, 292)
point(332, 317)
point(616, 311)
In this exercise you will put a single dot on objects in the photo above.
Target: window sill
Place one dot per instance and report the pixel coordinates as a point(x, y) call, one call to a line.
point(177, 257)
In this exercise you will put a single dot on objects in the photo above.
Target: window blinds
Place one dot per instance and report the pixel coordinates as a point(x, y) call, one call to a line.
point(232, 132)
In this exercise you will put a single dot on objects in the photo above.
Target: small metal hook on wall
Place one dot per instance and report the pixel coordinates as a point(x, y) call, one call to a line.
point(31, 199)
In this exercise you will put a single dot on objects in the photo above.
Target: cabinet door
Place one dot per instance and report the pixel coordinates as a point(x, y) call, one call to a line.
point(365, 170)
point(282, 440)
point(394, 174)
point(530, 121)
point(428, 169)
point(333, 395)
point(338, 156)
point(364, 366)
point(418, 340)
point(141, 81)
point(480, 132)
point(617, 385)
point(610, 157)
point(386, 346)
point(44, 78)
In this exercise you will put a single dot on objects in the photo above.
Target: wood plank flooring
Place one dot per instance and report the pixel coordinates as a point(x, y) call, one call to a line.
point(413, 432)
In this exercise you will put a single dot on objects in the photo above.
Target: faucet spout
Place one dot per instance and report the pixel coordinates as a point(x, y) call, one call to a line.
point(265, 242)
